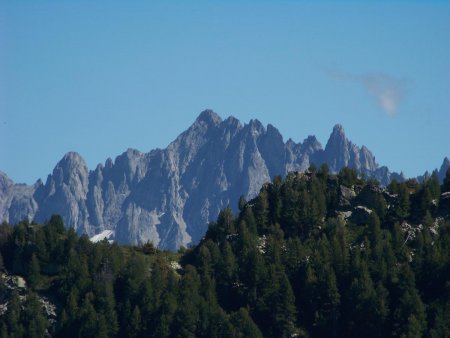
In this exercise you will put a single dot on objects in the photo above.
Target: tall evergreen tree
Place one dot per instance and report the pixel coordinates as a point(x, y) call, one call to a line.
point(34, 318)
point(187, 315)
point(13, 313)
point(244, 325)
point(34, 271)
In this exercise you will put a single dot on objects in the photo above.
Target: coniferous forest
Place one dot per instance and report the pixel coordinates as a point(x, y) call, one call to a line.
point(313, 255)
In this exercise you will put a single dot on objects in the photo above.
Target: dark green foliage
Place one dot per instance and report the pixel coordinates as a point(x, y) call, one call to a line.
point(34, 319)
point(244, 325)
point(34, 271)
point(348, 177)
point(188, 315)
point(446, 185)
point(13, 314)
point(290, 264)
point(242, 203)
point(401, 201)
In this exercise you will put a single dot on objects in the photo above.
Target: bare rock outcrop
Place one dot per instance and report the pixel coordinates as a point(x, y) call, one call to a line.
point(168, 196)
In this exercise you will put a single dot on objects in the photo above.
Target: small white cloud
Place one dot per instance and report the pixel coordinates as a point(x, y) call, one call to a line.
point(387, 90)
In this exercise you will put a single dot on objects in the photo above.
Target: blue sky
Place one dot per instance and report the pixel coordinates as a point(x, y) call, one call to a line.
point(101, 77)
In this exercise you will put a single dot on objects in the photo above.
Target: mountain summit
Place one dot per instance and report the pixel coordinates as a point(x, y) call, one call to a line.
point(168, 196)
point(208, 116)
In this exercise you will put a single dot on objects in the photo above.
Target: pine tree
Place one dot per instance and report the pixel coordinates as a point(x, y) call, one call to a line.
point(446, 183)
point(262, 211)
point(363, 299)
point(245, 327)
point(204, 261)
point(219, 324)
point(4, 330)
point(13, 312)
point(208, 308)
point(434, 186)
point(308, 297)
point(187, 315)
point(165, 316)
point(225, 223)
point(227, 276)
point(242, 203)
point(381, 310)
point(135, 323)
point(324, 172)
point(106, 305)
point(409, 313)
point(441, 325)
point(374, 236)
point(291, 213)
point(88, 318)
point(326, 318)
point(34, 318)
point(34, 271)
point(285, 312)
point(403, 208)
point(340, 249)
point(42, 252)
point(347, 177)
point(380, 206)
point(102, 327)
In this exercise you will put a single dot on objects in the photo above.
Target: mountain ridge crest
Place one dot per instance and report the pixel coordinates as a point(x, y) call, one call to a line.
point(168, 196)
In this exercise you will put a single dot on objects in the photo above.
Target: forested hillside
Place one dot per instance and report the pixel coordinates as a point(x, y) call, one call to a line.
point(313, 255)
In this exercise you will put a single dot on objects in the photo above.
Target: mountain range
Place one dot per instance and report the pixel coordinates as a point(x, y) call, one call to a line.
point(168, 196)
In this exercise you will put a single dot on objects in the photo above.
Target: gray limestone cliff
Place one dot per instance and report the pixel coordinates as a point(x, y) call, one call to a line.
point(168, 196)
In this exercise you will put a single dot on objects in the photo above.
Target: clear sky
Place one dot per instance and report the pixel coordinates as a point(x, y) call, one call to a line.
point(98, 77)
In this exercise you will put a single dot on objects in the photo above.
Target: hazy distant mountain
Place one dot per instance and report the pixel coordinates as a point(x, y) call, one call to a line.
point(167, 196)
point(440, 173)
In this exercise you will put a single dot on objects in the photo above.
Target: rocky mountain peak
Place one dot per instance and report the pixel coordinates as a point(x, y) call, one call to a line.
point(444, 167)
point(338, 133)
point(311, 143)
point(367, 160)
point(4, 180)
point(64, 192)
point(256, 127)
point(72, 161)
point(337, 141)
point(72, 157)
point(99, 168)
point(71, 167)
point(109, 163)
point(337, 150)
point(209, 117)
point(169, 195)
point(231, 121)
point(274, 133)
point(127, 157)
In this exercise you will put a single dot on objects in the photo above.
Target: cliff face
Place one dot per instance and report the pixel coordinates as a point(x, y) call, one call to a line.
point(168, 196)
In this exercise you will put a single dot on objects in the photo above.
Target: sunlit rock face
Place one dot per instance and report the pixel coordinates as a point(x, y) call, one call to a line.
point(168, 196)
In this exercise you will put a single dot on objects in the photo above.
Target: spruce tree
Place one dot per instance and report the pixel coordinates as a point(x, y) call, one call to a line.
point(13, 315)
point(187, 315)
point(446, 183)
point(34, 271)
point(33, 317)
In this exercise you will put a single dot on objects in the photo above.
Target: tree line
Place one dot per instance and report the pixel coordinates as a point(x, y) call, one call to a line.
point(312, 255)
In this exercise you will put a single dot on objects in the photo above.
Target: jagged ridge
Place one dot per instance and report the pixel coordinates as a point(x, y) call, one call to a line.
point(168, 196)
